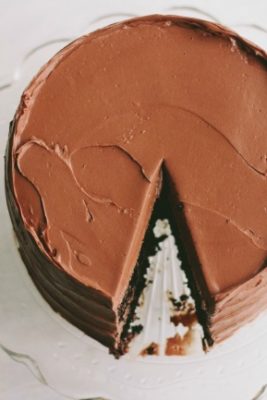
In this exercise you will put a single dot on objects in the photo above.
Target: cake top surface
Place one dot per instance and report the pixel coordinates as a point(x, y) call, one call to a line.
point(99, 121)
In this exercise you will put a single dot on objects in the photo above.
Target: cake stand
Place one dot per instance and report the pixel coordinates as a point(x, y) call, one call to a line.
point(63, 362)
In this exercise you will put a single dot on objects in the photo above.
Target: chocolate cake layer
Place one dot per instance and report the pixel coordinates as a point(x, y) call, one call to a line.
point(90, 138)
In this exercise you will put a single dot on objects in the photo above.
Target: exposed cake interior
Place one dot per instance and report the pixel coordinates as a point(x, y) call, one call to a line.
point(166, 206)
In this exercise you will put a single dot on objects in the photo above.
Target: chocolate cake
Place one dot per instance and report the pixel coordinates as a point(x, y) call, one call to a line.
point(150, 107)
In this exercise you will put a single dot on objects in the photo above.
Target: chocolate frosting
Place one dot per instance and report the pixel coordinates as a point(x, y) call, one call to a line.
point(98, 123)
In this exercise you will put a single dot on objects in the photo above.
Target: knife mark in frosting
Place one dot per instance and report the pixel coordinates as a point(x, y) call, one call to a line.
point(68, 161)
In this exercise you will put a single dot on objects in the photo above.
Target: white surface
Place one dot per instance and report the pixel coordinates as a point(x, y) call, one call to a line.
point(42, 356)
point(164, 280)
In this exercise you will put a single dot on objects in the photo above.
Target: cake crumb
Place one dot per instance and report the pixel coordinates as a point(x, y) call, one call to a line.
point(151, 350)
point(178, 345)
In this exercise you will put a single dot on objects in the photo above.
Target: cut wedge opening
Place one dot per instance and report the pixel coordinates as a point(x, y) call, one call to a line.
point(167, 207)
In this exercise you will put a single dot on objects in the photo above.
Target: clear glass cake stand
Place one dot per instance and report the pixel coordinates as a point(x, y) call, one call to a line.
point(43, 356)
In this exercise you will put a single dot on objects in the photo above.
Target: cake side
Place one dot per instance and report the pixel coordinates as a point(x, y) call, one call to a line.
point(238, 306)
point(62, 292)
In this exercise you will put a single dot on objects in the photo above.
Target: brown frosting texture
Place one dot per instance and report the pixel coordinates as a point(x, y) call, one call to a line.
point(99, 121)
